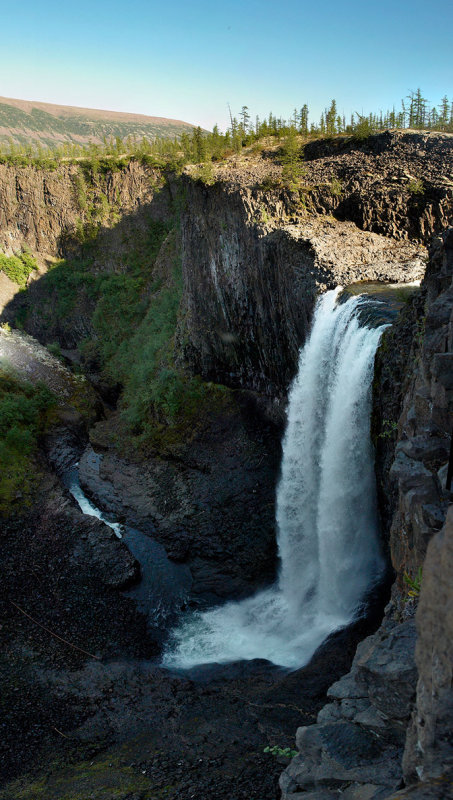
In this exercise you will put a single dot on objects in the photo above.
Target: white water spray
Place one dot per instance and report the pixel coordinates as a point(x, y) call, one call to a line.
point(326, 509)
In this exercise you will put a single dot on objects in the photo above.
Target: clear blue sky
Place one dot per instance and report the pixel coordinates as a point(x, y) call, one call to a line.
point(188, 59)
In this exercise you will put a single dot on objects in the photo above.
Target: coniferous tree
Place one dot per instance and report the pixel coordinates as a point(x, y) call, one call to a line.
point(198, 145)
point(245, 120)
point(330, 118)
point(444, 113)
point(292, 167)
point(303, 126)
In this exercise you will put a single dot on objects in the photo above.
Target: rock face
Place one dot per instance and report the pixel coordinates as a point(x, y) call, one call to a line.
point(52, 213)
point(249, 288)
point(64, 570)
point(255, 255)
point(211, 503)
point(420, 442)
point(358, 741)
point(39, 207)
point(429, 746)
point(398, 183)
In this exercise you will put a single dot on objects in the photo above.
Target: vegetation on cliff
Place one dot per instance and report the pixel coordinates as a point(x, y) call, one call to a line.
point(24, 411)
point(18, 268)
point(130, 310)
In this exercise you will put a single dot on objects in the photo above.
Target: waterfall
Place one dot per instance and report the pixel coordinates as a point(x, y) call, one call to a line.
point(326, 508)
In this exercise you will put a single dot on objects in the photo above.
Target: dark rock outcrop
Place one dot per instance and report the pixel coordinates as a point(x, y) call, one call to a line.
point(61, 572)
point(359, 737)
point(38, 207)
point(397, 183)
point(429, 746)
point(210, 502)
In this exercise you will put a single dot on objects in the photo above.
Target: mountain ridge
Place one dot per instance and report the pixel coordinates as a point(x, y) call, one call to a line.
point(26, 121)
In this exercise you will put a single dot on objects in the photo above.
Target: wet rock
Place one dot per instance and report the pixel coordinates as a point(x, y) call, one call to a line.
point(385, 666)
point(426, 448)
point(440, 788)
point(408, 471)
point(114, 563)
point(334, 755)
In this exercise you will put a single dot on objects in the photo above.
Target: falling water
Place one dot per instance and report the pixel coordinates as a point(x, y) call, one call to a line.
point(326, 509)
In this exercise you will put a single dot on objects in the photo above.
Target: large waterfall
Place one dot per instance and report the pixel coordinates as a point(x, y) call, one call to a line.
point(326, 509)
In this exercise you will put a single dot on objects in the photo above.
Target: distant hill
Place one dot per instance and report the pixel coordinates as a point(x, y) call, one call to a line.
point(32, 122)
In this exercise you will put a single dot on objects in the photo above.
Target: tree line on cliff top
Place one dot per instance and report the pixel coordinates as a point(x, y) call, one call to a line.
point(201, 146)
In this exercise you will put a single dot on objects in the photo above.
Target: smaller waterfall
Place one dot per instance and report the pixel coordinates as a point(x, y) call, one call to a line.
point(326, 508)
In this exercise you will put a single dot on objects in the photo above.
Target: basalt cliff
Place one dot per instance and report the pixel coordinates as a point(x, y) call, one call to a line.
point(174, 310)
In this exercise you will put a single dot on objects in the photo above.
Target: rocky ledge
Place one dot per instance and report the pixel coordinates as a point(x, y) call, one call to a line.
point(210, 501)
point(358, 741)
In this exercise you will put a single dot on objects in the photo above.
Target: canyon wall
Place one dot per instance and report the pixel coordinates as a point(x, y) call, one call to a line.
point(250, 289)
point(39, 207)
point(397, 183)
point(255, 254)
point(51, 213)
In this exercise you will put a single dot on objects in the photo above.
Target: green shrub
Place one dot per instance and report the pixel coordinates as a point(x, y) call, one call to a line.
point(277, 751)
point(389, 429)
point(23, 416)
point(415, 186)
point(270, 182)
point(80, 190)
point(336, 187)
point(205, 173)
point(291, 159)
point(414, 584)
point(55, 350)
point(18, 267)
point(262, 216)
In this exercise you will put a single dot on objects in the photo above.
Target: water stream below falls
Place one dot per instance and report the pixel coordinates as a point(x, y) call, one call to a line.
point(164, 586)
point(326, 506)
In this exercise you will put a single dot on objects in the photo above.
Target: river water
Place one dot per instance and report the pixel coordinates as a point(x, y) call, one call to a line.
point(164, 588)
